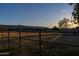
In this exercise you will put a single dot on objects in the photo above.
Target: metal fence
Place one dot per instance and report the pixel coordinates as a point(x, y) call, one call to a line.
point(29, 41)
point(20, 42)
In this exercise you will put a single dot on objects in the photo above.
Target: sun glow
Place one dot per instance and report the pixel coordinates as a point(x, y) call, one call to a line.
point(69, 23)
point(72, 25)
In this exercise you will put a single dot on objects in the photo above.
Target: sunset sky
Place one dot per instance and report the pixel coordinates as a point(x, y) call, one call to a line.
point(34, 14)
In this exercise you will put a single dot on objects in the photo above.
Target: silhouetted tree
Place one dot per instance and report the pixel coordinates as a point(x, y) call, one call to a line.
point(63, 23)
point(75, 12)
point(55, 28)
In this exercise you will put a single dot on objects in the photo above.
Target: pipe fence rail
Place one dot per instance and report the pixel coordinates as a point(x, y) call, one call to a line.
point(18, 42)
point(16, 39)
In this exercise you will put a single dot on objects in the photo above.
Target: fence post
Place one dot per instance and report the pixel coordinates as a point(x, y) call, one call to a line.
point(2, 35)
point(8, 39)
point(1, 30)
point(26, 35)
point(19, 37)
point(40, 43)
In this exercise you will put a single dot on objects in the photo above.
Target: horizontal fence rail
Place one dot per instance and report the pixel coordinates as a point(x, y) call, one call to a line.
point(29, 41)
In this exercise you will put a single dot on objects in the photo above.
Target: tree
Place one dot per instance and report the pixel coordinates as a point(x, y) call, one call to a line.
point(75, 12)
point(55, 28)
point(63, 23)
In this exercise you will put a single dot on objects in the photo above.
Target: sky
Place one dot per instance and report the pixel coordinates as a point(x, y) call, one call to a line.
point(32, 14)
